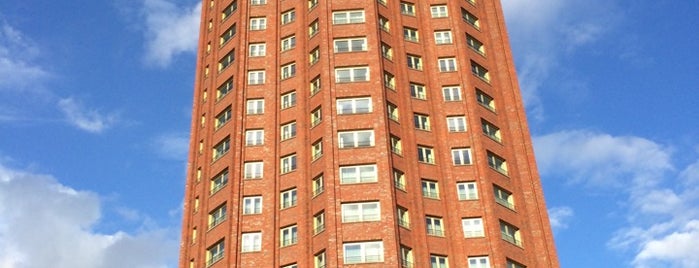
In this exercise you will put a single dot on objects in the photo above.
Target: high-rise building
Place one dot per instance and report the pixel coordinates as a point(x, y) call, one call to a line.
point(360, 133)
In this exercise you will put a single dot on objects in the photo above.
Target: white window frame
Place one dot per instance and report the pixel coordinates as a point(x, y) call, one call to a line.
point(230, 9)
point(227, 35)
point(491, 130)
point(421, 121)
point(215, 252)
point(253, 170)
point(350, 45)
point(258, 24)
point(319, 222)
point(314, 56)
point(218, 182)
point(451, 93)
point(430, 189)
point(475, 44)
point(223, 117)
point(221, 148)
point(479, 262)
point(470, 19)
point(418, 91)
point(224, 89)
point(217, 216)
point(447, 64)
point(348, 17)
point(288, 163)
point(251, 242)
point(288, 100)
point(258, 2)
point(255, 106)
point(317, 186)
point(317, 150)
point(425, 154)
point(257, 50)
point(355, 139)
point(467, 190)
point(256, 77)
point(288, 43)
point(252, 205)
point(485, 100)
point(288, 17)
point(358, 174)
point(319, 260)
point(414, 62)
point(384, 24)
point(439, 11)
point(316, 116)
point(407, 8)
point(403, 217)
point(456, 123)
point(503, 197)
point(288, 198)
point(386, 51)
point(352, 74)
point(226, 61)
point(288, 130)
point(313, 28)
point(314, 86)
point(438, 261)
point(473, 227)
point(411, 34)
point(496, 162)
point(461, 156)
point(288, 71)
point(392, 111)
point(434, 225)
point(510, 233)
point(443, 37)
point(289, 236)
point(254, 137)
point(399, 179)
point(367, 252)
point(480, 71)
point(361, 212)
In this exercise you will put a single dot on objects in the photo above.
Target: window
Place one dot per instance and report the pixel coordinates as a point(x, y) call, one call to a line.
point(196, 204)
point(258, 2)
point(356, 212)
point(442, 37)
point(411, 34)
point(316, 117)
point(363, 252)
point(353, 74)
point(288, 163)
point(467, 190)
point(478, 262)
point(221, 148)
point(230, 9)
point(314, 86)
point(226, 61)
point(474, 44)
point(480, 71)
point(470, 18)
point(386, 51)
point(202, 121)
point(317, 185)
point(252, 205)
point(317, 150)
point(439, 11)
point(447, 64)
point(288, 71)
point(513, 264)
point(291, 266)
point(396, 145)
point(258, 50)
point(253, 170)
point(451, 93)
point(319, 222)
point(313, 28)
point(430, 189)
point(392, 111)
point(194, 235)
point(288, 198)
point(355, 139)
point(461, 156)
point(407, 8)
point(434, 226)
point(403, 217)
point(255, 106)
point(314, 56)
point(350, 16)
point(472, 2)
point(473, 227)
point(251, 242)
point(254, 137)
point(510, 233)
point(288, 236)
point(437, 261)
point(215, 253)
point(223, 118)
point(496, 162)
point(425, 154)
point(219, 181)
point(288, 43)
point(389, 80)
point(418, 91)
point(354, 106)
point(504, 197)
point(384, 24)
point(399, 179)
point(421, 121)
point(257, 24)
point(319, 260)
point(217, 216)
point(485, 100)
point(288, 131)
point(256, 77)
point(288, 17)
point(491, 130)
point(456, 123)
point(383, 2)
point(358, 174)
point(414, 62)
point(312, 3)
point(350, 44)
point(227, 35)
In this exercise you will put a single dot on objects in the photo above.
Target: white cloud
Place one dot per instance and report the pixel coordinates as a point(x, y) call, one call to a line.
point(47, 224)
point(17, 54)
point(89, 120)
point(170, 30)
point(172, 145)
point(559, 217)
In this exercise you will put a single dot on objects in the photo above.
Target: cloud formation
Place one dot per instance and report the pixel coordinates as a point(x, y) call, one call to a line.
point(86, 119)
point(47, 224)
point(17, 69)
point(172, 145)
point(170, 30)
point(559, 216)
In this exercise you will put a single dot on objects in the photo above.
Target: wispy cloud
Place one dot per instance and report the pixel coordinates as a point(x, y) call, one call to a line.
point(559, 217)
point(172, 145)
point(90, 120)
point(66, 216)
point(18, 70)
point(170, 30)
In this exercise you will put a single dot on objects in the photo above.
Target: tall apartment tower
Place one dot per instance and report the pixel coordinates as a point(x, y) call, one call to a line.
point(360, 133)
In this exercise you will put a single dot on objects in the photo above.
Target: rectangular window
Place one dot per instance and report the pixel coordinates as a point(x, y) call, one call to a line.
point(215, 253)
point(389, 80)
point(354, 106)
point(255, 106)
point(223, 118)
point(439, 11)
point(313, 28)
point(319, 222)
point(386, 51)
point(312, 4)
point(421, 121)
point(485, 100)
point(226, 61)
point(291, 266)
point(256, 77)
point(356, 212)
point(254, 137)
point(411, 34)
point(251, 242)
point(470, 18)
point(314, 86)
point(288, 100)
point(288, 17)
point(288, 236)
point(317, 185)
point(473, 227)
point(288, 163)
point(456, 123)
point(396, 145)
point(230, 9)
point(496, 162)
point(503, 197)
point(258, 2)
point(257, 50)
point(392, 111)
point(414, 62)
point(430, 189)
point(217, 216)
point(403, 217)
point(252, 205)
point(491, 130)
point(461, 156)
point(407, 8)
point(316, 117)
point(406, 257)
point(349, 16)
point(288, 198)
point(355, 139)
point(480, 71)
point(437, 261)
point(317, 150)
point(418, 91)
point(510, 233)
point(513, 264)
point(434, 226)
point(364, 252)
point(425, 154)
point(447, 64)
point(257, 24)
point(253, 170)
point(442, 37)
point(467, 190)
point(221, 148)
point(399, 179)
point(288, 43)
point(350, 45)
point(314, 56)
point(353, 74)
point(478, 262)
point(219, 181)
point(451, 93)
point(474, 44)
point(288, 131)
point(384, 24)
point(358, 174)
point(227, 35)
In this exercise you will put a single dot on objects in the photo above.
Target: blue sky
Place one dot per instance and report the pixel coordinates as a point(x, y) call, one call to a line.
point(95, 101)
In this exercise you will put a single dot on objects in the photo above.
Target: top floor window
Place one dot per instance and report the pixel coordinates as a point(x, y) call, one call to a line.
point(349, 16)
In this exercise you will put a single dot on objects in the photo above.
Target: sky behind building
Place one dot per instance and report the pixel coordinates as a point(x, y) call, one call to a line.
point(95, 101)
